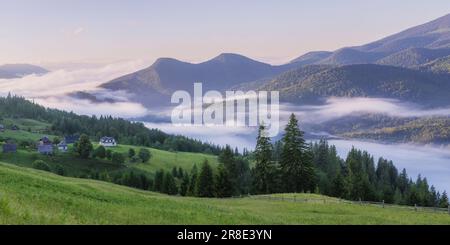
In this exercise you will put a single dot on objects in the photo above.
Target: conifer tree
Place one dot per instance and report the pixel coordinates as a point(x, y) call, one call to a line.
point(169, 186)
point(184, 185)
point(158, 181)
point(193, 182)
point(296, 160)
point(83, 146)
point(175, 172)
point(443, 202)
point(224, 187)
point(264, 173)
point(338, 186)
point(205, 181)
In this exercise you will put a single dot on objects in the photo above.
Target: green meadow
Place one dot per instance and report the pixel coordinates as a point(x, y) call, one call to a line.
point(29, 196)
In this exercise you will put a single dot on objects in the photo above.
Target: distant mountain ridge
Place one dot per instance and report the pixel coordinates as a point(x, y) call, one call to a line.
point(167, 75)
point(374, 69)
point(9, 71)
point(432, 35)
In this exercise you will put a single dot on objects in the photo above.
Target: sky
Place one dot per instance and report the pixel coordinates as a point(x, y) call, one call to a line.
point(55, 32)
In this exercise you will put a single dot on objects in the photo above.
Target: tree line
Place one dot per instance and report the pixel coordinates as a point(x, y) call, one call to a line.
point(292, 165)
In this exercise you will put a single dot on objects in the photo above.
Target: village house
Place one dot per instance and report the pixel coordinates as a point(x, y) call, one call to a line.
point(14, 127)
point(71, 139)
point(2, 128)
point(9, 147)
point(108, 141)
point(45, 146)
point(62, 146)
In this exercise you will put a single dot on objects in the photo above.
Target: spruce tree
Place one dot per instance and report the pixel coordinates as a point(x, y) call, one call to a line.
point(297, 168)
point(169, 186)
point(83, 146)
point(205, 181)
point(192, 191)
point(338, 186)
point(224, 187)
point(443, 202)
point(158, 181)
point(228, 159)
point(264, 171)
point(184, 185)
point(175, 172)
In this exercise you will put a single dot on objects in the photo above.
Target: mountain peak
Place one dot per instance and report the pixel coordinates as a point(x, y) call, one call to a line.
point(231, 58)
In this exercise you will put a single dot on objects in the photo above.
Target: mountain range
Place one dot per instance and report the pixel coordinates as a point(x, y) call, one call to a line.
point(410, 66)
point(9, 71)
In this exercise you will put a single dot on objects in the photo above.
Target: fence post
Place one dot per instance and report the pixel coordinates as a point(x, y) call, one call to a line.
point(415, 207)
point(383, 203)
point(295, 198)
point(360, 201)
point(449, 209)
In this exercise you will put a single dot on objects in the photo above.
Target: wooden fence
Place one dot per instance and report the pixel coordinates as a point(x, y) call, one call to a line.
point(366, 203)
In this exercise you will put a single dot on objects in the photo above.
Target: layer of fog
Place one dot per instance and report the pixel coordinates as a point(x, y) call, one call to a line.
point(337, 107)
point(52, 89)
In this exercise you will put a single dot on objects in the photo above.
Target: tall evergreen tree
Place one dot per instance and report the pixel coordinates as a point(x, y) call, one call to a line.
point(169, 186)
point(443, 202)
point(192, 191)
point(84, 146)
point(158, 181)
point(184, 185)
point(338, 186)
point(224, 186)
point(296, 160)
point(264, 173)
point(205, 181)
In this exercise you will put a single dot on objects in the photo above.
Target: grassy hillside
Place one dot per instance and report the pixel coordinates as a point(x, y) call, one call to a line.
point(74, 166)
point(30, 196)
point(32, 130)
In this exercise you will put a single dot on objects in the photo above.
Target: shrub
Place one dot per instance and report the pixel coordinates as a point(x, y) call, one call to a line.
point(144, 155)
point(41, 165)
point(117, 158)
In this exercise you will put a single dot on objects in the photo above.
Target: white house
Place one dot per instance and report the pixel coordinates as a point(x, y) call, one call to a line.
point(108, 141)
point(62, 146)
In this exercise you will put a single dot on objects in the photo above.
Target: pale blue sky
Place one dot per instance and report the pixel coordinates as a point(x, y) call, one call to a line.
point(43, 31)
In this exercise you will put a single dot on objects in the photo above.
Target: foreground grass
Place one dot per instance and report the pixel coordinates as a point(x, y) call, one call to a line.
point(29, 196)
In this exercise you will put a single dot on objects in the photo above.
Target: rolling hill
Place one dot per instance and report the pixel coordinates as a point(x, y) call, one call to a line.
point(441, 65)
point(311, 84)
point(31, 196)
point(413, 57)
point(9, 71)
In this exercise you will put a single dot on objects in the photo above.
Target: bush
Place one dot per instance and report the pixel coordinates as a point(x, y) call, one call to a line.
point(100, 152)
point(108, 154)
point(41, 165)
point(144, 155)
point(131, 153)
point(59, 170)
point(117, 158)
